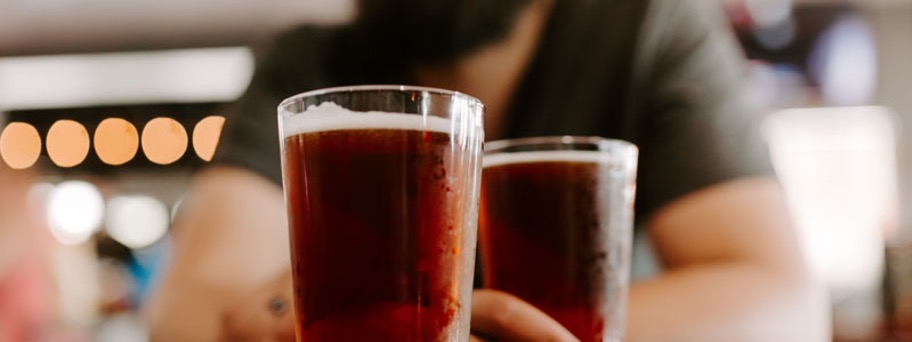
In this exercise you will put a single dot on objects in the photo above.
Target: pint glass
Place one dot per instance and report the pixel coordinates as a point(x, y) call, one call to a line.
point(555, 228)
point(381, 187)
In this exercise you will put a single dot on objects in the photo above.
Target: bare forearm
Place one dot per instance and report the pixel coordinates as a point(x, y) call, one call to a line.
point(727, 302)
point(181, 315)
point(229, 240)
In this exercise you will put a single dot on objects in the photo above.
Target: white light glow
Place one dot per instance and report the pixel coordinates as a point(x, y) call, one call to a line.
point(838, 168)
point(74, 211)
point(136, 221)
point(767, 13)
point(191, 75)
point(844, 61)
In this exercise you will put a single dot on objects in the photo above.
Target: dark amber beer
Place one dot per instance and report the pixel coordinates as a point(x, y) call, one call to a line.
point(555, 231)
point(381, 219)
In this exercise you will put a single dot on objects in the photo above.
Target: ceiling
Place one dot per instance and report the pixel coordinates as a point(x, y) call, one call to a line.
point(31, 27)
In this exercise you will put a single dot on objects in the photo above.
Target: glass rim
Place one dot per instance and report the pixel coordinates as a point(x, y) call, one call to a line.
point(377, 87)
point(498, 146)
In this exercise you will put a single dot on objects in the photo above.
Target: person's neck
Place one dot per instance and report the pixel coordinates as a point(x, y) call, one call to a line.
point(493, 73)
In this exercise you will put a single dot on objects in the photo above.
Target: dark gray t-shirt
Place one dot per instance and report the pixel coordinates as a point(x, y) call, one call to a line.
point(663, 74)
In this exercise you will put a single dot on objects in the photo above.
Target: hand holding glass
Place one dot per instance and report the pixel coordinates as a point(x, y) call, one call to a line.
point(381, 186)
point(555, 228)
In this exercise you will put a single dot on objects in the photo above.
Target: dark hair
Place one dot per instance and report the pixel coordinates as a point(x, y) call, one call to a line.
point(436, 30)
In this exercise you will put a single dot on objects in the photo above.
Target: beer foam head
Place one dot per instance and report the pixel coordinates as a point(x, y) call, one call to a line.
point(546, 156)
point(329, 116)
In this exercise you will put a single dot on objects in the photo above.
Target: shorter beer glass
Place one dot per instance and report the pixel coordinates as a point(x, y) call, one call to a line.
point(556, 227)
point(381, 186)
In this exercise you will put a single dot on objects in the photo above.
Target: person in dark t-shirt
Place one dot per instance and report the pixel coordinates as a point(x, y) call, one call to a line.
point(663, 74)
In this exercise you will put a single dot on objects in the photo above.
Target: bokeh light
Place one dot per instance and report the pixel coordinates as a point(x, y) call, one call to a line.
point(136, 221)
point(844, 62)
point(164, 140)
point(768, 13)
point(206, 136)
point(116, 141)
point(74, 211)
point(67, 143)
point(20, 145)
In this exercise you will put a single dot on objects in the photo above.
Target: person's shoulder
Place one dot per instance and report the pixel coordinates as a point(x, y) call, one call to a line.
point(675, 14)
point(672, 25)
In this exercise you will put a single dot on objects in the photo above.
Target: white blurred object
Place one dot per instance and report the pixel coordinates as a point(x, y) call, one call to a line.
point(136, 221)
point(191, 75)
point(768, 13)
point(844, 62)
point(76, 272)
point(839, 170)
point(123, 327)
point(778, 86)
point(74, 211)
point(777, 36)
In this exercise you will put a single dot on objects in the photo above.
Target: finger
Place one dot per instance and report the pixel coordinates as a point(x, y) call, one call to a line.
point(504, 316)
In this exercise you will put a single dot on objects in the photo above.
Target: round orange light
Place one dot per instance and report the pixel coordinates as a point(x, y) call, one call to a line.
point(206, 136)
point(164, 140)
point(20, 145)
point(116, 141)
point(67, 143)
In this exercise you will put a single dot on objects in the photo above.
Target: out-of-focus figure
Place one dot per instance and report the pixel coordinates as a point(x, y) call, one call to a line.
point(25, 281)
point(664, 75)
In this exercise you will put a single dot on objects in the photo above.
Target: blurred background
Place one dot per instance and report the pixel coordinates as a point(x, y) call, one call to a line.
point(109, 106)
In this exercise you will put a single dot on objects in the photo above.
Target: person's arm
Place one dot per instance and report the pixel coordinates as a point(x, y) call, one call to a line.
point(734, 272)
point(230, 260)
point(230, 237)
point(229, 240)
point(266, 314)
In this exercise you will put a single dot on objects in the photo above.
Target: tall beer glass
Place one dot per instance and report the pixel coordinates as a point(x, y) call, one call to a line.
point(556, 217)
point(381, 186)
